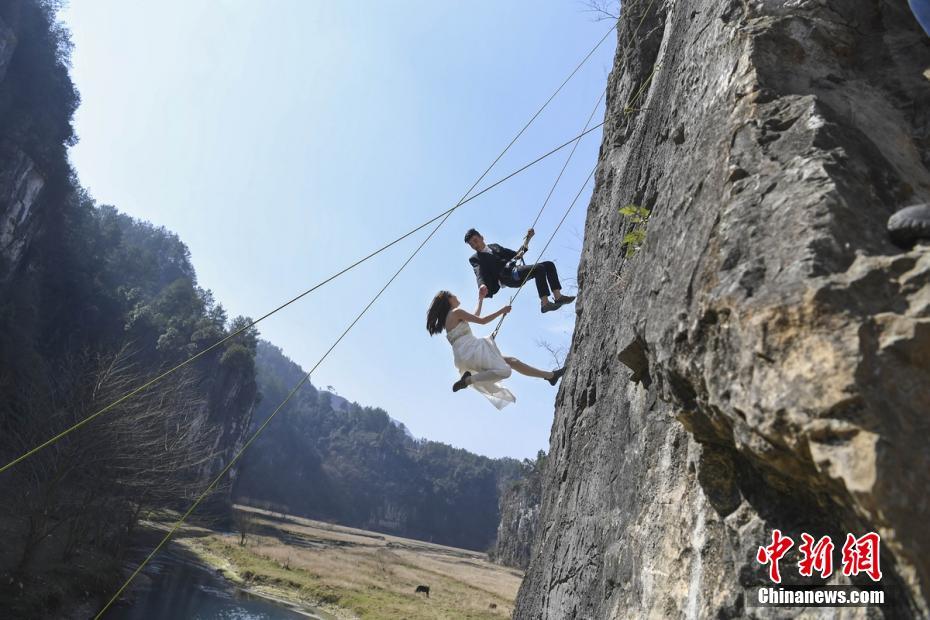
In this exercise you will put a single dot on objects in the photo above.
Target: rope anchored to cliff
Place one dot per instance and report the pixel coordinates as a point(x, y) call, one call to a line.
point(466, 198)
point(630, 106)
point(443, 217)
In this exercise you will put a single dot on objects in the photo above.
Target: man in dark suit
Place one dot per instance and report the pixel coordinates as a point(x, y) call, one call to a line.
point(497, 266)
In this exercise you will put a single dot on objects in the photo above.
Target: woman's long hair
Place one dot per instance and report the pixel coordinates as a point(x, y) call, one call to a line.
point(438, 312)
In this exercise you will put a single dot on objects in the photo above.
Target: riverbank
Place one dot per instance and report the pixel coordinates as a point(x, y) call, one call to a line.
point(350, 573)
point(177, 585)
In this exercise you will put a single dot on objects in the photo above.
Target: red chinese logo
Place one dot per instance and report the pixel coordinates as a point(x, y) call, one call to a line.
point(860, 555)
point(773, 553)
point(817, 557)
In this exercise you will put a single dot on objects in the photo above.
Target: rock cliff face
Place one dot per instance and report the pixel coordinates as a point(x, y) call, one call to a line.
point(519, 521)
point(20, 180)
point(20, 186)
point(763, 360)
point(232, 399)
point(519, 510)
point(37, 100)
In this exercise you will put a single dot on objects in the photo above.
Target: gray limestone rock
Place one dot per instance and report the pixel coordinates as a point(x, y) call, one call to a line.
point(910, 225)
point(519, 508)
point(20, 186)
point(786, 339)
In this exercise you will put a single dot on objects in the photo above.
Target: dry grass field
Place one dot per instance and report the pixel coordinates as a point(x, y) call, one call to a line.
point(353, 573)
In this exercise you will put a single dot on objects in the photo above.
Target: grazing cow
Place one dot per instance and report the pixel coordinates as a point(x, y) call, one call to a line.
point(423, 589)
point(492, 606)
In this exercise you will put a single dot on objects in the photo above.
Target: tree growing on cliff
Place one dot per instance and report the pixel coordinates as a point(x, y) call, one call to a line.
point(634, 238)
point(601, 10)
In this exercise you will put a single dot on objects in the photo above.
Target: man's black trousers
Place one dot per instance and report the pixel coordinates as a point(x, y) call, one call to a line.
point(544, 273)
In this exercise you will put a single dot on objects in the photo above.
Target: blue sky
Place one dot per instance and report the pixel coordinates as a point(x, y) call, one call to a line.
point(282, 140)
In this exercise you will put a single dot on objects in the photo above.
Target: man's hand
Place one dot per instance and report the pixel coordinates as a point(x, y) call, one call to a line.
point(505, 310)
point(482, 291)
point(523, 248)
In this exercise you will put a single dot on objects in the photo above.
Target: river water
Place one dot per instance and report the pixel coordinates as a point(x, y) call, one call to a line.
point(177, 587)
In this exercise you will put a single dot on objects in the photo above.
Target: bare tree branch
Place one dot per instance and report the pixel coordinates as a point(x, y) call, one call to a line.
point(557, 353)
point(602, 10)
point(151, 451)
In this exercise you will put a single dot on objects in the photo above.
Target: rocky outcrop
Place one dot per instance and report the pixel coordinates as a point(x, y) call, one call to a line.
point(763, 360)
point(20, 181)
point(20, 186)
point(37, 100)
point(517, 530)
point(519, 509)
point(233, 395)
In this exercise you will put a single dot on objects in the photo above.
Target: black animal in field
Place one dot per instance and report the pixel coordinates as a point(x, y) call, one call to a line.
point(423, 589)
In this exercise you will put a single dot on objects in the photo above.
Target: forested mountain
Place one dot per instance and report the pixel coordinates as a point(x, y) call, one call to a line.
point(93, 304)
point(329, 459)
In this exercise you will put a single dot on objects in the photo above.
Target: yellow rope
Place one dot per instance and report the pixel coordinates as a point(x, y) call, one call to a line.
point(628, 106)
point(151, 382)
point(465, 198)
point(261, 428)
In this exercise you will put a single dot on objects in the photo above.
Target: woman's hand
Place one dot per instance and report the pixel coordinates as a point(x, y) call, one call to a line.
point(477, 318)
point(481, 294)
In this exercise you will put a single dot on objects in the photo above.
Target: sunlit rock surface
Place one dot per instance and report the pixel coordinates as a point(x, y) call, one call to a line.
point(763, 360)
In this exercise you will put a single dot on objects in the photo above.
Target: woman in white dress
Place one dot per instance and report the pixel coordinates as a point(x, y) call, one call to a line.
point(478, 359)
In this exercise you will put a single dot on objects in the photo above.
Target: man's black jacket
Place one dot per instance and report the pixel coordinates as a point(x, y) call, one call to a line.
point(488, 266)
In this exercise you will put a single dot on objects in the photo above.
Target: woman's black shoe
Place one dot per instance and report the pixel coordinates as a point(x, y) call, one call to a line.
point(462, 383)
point(556, 375)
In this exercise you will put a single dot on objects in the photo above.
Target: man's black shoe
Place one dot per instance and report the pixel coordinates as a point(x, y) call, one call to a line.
point(462, 383)
point(563, 300)
point(556, 375)
point(549, 307)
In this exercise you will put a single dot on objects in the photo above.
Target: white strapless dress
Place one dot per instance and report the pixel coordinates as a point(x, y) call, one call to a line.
point(478, 355)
